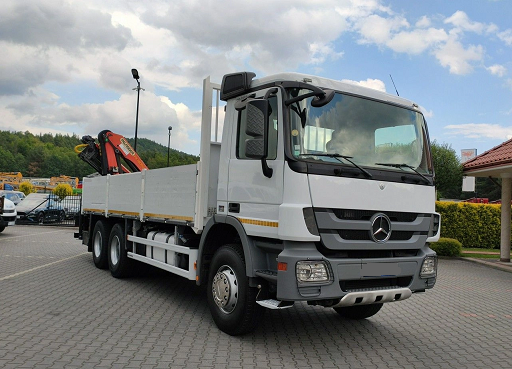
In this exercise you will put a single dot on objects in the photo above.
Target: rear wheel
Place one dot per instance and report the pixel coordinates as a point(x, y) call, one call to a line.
point(358, 312)
point(62, 216)
point(118, 262)
point(100, 236)
point(231, 300)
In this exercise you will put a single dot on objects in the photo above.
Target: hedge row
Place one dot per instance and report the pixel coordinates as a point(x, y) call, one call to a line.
point(474, 225)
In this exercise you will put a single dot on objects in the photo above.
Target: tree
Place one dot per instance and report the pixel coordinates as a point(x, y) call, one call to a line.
point(62, 190)
point(448, 171)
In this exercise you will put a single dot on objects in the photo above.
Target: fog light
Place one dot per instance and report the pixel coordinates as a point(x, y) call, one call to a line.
point(429, 267)
point(312, 271)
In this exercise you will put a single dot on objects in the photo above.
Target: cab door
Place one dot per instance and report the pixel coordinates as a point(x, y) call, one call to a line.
point(254, 198)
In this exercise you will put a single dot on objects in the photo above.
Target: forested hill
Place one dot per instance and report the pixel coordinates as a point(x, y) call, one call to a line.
point(48, 155)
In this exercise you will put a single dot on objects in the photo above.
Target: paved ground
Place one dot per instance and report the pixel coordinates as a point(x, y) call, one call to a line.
point(58, 311)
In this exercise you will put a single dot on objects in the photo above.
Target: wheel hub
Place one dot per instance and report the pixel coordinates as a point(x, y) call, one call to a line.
point(97, 244)
point(225, 289)
point(115, 250)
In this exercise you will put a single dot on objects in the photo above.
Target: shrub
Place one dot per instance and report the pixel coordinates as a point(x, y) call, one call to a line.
point(447, 247)
point(27, 188)
point(62, 190)
point(474, 225)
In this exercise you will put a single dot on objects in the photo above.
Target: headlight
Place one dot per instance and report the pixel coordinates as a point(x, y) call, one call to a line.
point(312, 272)
point(429, 267)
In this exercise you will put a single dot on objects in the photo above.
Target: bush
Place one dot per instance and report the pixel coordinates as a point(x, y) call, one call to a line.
point(62, 190)
point(474, 225)
point(27, 188)
point(447, 247)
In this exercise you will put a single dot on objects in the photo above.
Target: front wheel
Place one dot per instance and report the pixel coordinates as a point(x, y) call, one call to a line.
point(231, 300)
point(40, 217)
point(62, 215)
point(358, 312)
point(2, 229)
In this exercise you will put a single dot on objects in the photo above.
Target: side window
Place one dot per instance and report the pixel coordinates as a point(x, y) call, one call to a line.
point(272, 131)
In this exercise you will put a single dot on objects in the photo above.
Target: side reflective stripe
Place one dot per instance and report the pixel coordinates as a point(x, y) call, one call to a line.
point(263, 223)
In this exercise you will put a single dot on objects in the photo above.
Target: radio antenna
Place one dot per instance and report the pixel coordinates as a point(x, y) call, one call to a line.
point(394, 85)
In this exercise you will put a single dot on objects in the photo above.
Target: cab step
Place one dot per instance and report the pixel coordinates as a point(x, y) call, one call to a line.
point(275, 304)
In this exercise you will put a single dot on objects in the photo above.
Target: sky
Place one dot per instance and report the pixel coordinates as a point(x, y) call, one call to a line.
point(66, 64)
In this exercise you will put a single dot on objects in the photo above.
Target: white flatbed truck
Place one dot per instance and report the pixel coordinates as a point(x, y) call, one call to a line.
point(318, 191)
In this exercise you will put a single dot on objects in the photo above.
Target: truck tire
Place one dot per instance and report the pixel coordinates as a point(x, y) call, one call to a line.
point(2, 229)
point(118, 262)
point(358, 312)
point(231, 301)
point(100, 236)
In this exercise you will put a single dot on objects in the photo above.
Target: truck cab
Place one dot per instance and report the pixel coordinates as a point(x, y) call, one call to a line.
point(334, 185)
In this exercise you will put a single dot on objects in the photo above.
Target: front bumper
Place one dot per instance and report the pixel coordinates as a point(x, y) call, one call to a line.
point(349, 275)
point(7, 220)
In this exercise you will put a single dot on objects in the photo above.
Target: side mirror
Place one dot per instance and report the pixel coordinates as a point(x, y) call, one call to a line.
point(322, 100)
point(257, 127)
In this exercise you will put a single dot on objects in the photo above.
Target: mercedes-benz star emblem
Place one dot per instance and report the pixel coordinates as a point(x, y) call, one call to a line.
point(381, 228)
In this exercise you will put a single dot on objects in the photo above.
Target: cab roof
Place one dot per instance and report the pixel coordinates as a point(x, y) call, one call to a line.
point(339, 86)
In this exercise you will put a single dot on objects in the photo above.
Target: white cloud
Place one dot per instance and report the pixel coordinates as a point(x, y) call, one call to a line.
point(281, 39)
point(476, 130)
point(423, 22)
point(395, 33)
point(379, 30)
point(59, 23)
point(427, 113)
point(506, 36)
point(497, 70)
point(461, 21)
point(375, 84)
point(416, 41)
point(454, 56)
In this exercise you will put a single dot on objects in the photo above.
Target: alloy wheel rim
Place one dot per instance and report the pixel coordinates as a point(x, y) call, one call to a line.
point(225, 289)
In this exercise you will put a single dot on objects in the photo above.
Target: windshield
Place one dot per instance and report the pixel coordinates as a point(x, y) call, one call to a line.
point(35, 200)
point(369, 133)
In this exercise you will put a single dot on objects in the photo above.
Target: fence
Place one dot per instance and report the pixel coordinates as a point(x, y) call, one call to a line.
point(64, 212)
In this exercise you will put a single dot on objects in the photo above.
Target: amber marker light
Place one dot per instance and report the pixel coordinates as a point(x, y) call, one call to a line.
point(282, 266)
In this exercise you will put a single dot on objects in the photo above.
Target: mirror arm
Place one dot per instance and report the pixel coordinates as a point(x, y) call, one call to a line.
point(267, 171)
point(301, 97)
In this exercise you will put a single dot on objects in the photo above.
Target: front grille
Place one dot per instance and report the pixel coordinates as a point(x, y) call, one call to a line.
point(362, 235)
point(394, 216)
point(9, 211)
point(367, 254)
point(375, 284)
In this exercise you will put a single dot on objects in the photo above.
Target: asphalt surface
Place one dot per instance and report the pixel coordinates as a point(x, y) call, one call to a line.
point(58, 311)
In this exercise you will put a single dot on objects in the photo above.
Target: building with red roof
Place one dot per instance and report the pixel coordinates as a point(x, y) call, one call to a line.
point(497, 163)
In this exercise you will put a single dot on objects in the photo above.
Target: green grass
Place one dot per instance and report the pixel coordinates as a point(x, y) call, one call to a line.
point(481, 256)
point(481, 250)
point(496, 254)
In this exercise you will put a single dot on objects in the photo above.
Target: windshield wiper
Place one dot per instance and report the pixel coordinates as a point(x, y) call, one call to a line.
point(347, 158)
point(404, 166)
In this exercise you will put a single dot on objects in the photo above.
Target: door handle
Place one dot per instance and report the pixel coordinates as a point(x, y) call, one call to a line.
point(234, 207)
